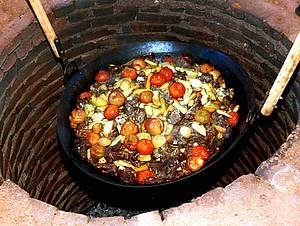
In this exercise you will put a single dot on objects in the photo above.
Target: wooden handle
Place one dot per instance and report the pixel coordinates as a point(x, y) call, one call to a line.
point(45, 24)
point(283, 78)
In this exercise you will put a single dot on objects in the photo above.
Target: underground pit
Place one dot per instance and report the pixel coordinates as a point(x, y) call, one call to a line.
point(32, 81)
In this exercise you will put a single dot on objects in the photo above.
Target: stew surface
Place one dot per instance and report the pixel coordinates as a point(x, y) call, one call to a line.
point(151, 120)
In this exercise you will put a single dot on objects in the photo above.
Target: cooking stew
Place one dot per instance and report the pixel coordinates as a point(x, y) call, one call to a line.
point(151, 121)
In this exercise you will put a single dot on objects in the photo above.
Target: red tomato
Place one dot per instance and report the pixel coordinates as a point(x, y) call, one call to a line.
point(129, 72)
point(111, 112)
point(234, 119)
point(168, 58)
point(146, 97)
point(143, 175)
point(102, 76)
point(129, 128)
point(130, 142)
point(154, 126)
point(84, 95)
point(92, 137)
point(194, 163)
point(200, 151)
point(177, 90)
point(167, 73)
point(157, 79)
point(145, 147)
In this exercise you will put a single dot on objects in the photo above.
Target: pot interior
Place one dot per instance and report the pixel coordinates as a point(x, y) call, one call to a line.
point(233, 74)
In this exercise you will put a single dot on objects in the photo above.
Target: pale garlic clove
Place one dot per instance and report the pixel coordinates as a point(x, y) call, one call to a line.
point(158, 141)
point(185, 131)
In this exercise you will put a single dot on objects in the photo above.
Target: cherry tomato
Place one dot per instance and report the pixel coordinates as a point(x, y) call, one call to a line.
point(203, 116)
point(129, 128)
point(130, 142)
point(102, 76)
point(168, 58)
point(145, 147)
point(97, 127)
point(200, 151)
point(167, 73)
point(194, 163)
point(111, 112)
point(129, 72)
point(154, 126)
point(234, 119)
point(157, 79)
point(97, 151)
point(146, 97)
point(177, 90)
point(218, 102)
point(77, 116)
point(206, 68)
point(92, 137)
point(116, 98)
point(143, 175)
point(85, 95)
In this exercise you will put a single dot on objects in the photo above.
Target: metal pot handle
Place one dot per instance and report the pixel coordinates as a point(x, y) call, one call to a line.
point(283, 78)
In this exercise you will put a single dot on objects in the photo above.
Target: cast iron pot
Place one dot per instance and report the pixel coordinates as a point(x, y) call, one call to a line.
point(113, 190)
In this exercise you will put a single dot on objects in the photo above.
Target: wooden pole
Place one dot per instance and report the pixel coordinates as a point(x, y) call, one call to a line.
point(45, 24)
point(283, 78)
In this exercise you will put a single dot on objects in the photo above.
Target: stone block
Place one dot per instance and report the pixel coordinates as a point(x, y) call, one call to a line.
point(13, 204)
point(63, 218)
point(107, 221)
point(248, 200)
point(146, 219)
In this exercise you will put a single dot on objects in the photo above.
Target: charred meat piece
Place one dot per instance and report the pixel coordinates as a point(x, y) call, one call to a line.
point(175, 117)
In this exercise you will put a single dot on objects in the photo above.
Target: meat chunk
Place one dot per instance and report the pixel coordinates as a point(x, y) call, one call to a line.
point(175, 117)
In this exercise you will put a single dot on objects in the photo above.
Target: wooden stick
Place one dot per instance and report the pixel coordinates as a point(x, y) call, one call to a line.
point(283, 78)
point(45, 24)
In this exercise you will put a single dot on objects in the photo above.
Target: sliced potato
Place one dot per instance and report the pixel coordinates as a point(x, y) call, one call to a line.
point(144, 158)
point(158, 141)
point(141, 168)
point(156, 98)
point(118, 139)
point(99, 101)
point(144, 136)
point(199, 128)
point(103, 141)
point(123, 163)
point(180, 107)
point(220, 112)
point(108, 127)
